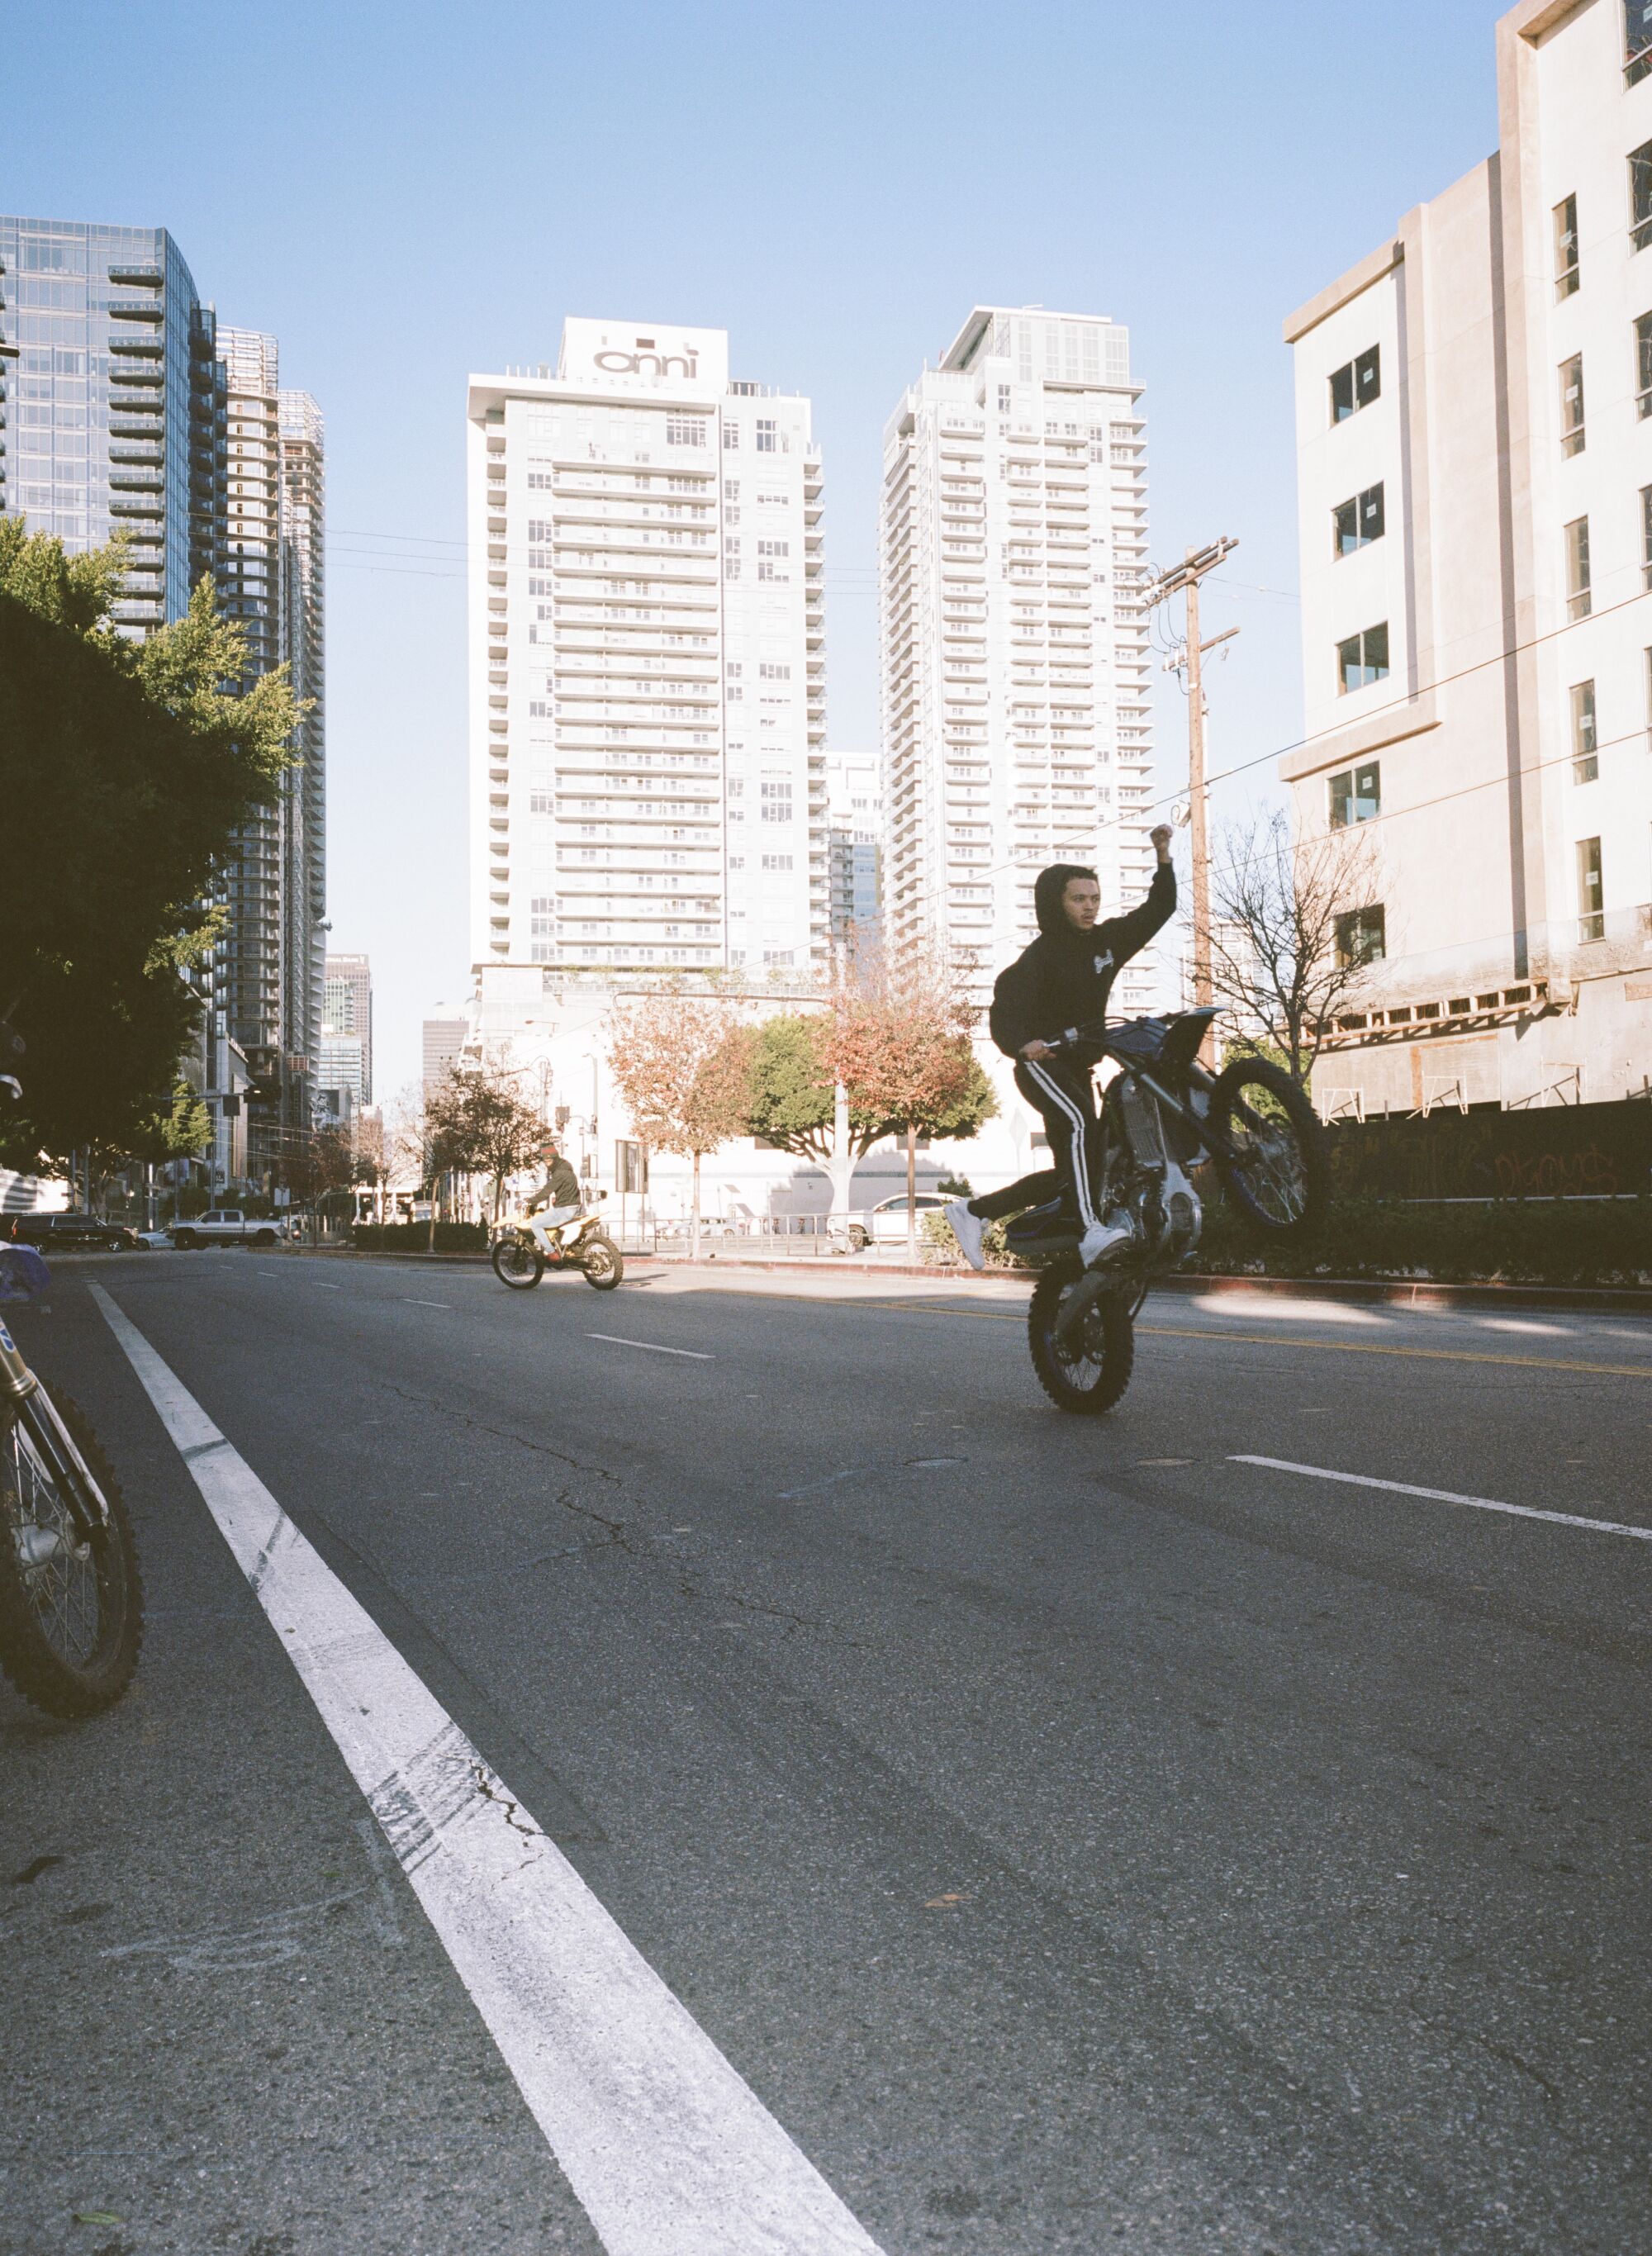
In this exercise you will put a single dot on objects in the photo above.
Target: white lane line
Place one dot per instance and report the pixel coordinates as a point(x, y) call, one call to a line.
point(614, 1340)
point(321, 1287)
point(663, 2142)
point(1450, 1496)
point(413, 1303)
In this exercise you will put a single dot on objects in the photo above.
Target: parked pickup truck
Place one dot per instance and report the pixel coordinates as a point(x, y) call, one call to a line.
point(226, 1225)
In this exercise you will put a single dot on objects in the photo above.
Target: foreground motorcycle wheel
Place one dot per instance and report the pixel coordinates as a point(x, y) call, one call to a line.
point(603, 1262)
point(71, 1605)
point(1088, 1374)
point(1279, 1177)
point(521, 1266)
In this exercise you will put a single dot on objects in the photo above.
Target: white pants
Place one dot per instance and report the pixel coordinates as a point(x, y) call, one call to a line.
point(552, 1218)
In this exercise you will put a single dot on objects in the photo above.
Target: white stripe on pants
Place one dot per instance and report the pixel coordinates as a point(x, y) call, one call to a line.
point(1078, 1159)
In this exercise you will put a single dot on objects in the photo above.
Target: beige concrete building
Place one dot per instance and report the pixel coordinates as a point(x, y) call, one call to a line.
point(1474, 447)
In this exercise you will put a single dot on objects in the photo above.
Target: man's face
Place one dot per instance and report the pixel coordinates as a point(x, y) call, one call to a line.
point(1081, 899)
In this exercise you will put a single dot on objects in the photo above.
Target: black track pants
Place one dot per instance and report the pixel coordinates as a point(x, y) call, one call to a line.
point(1065, 1099)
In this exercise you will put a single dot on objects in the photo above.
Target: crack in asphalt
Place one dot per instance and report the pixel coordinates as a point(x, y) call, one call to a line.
point(515, 1816)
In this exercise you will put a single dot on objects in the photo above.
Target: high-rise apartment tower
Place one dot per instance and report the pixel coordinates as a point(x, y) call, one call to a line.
point(647, 662)
point(1016, 727)
point(112, 389)
point(130, 409)
point(854, 786)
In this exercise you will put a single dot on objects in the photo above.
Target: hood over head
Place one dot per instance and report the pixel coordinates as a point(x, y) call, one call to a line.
point(1049, 885)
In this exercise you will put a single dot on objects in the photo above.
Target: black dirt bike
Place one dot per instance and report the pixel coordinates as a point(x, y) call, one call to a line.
point(71, 1595)
point(1163, 1116)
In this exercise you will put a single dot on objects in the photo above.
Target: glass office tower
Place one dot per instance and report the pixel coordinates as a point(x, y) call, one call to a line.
point(114, 402)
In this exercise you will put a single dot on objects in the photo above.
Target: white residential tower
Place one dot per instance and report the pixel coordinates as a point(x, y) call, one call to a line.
point(1016, 730)
point(647, 664)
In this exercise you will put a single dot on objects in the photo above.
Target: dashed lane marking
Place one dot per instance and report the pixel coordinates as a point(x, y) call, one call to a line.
point(1450, 1496)
point(651, 1346)
point(662, 2139)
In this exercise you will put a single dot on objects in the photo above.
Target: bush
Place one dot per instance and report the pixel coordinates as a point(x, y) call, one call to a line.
point(1510, 1240)
point(414, 1237)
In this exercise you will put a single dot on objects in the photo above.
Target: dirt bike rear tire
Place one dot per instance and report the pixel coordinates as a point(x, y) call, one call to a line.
point(601, 1254)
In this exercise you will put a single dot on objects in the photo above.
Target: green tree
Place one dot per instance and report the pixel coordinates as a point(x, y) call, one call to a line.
point(126, 768)
point(476, 1124)
point(891, 1056)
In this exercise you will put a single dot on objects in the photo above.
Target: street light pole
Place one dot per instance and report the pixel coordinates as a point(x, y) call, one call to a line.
point(1184, 579)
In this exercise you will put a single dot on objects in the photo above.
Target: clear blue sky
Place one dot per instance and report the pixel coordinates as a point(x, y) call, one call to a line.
point(406, 194)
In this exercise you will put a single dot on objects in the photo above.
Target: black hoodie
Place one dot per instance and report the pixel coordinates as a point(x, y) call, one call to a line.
point(1064, 978)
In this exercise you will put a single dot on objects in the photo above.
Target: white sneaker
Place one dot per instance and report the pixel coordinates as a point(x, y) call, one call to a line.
point(1101, 1238)
point(969, 1229)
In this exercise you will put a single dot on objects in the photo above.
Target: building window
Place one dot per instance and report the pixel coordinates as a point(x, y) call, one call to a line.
point(731, 438)
point(1566, 247)
point(1577, 539)
point(1586, 764)
point(685, 430)
point(777, 861)
point(1361, 936)
point(1003, 400)
point(1363, 658)
point(1637, 40)
point(1356, 384)
point(1356, 795)
point(1646, 538)
point(1355, 524)
point(1592, 918)
point(1572, 437)
point(768, 438)
point(1640, 196)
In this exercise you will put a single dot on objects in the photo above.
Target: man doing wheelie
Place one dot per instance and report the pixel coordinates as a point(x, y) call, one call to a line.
point(1060, 982)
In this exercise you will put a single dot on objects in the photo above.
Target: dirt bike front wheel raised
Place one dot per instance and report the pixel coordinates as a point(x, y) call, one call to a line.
point(1278, 1174)
point(517, 1265)
point(603, 1262)
point(1087, 1373)
point(71, 1597)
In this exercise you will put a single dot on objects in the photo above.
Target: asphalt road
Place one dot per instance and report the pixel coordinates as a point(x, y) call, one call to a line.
point(1076, 1839)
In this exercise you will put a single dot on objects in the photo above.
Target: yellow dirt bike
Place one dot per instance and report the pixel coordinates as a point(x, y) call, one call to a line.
point(519, 1258)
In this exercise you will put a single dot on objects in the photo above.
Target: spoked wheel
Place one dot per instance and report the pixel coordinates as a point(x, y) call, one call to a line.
point(517, 1264)
point(1089, 1372)
point(1278, 1174)
point(71, 1597)
point(603, 1262)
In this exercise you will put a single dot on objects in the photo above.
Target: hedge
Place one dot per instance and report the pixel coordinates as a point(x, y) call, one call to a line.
point(414, 1237)
point(1512, 1241)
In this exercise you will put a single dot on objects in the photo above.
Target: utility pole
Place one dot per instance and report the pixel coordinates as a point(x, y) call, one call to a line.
point(1184, 579)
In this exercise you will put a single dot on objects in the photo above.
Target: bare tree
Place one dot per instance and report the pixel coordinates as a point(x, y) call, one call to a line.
point(1289, 946)
point(683, 1068)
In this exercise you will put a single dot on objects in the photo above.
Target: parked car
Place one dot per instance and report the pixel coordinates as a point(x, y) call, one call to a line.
point(154, 1241)
point(885, 1224)
point(226, 1225)
point(66, 1233)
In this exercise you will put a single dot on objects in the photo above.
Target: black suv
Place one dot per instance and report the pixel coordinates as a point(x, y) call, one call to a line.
point(65, 1231)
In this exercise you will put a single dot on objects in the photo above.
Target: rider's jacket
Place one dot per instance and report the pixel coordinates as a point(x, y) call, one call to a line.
point(561, 1188)
point(1064, 978)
